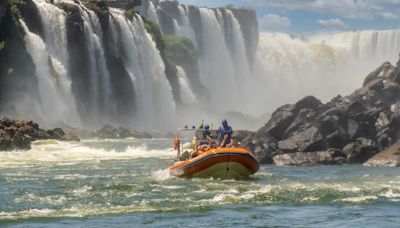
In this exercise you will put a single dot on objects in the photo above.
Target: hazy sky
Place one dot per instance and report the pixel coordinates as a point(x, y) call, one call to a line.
point(310, 16)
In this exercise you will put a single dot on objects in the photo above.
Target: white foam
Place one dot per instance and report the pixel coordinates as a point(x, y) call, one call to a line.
point(359, 199)
point(161, 175)
point(67, 152)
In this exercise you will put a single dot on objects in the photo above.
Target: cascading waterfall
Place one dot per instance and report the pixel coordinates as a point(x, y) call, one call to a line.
point(184, 29)
point(148, 10)
point(223, 63)
point(146, 68)
point(129, 42)
point(323, 66)
point(216, 66)
point(188, 97)
point(285, 69)
point(98, 71)
point(55, 105)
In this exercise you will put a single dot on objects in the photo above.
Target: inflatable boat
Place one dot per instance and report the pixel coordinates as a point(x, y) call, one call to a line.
point(223, 163)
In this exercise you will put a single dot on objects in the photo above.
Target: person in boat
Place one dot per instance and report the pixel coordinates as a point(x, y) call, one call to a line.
point(202, 148)
point(206, 132)
point(225, 133)
point(232, 143)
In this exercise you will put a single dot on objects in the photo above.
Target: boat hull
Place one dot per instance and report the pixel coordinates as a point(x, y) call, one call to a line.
point(224, 163)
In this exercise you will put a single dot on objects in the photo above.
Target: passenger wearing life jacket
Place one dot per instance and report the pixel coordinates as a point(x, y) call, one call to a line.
point(206, 132)
point(225, 133)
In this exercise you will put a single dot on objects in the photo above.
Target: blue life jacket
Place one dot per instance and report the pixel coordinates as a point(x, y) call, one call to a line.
point(225, 130)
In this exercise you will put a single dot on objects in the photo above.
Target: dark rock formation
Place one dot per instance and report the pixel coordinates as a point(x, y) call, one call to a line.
point(110, 132)
point(389, 157)
point(170, 68)
point(18, 134)
point(355, 127)
point(17, 77)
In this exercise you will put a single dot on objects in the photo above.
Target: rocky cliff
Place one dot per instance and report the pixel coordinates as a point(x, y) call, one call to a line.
point(348, 129)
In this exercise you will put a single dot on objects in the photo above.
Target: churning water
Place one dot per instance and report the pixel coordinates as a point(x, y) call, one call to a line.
point(96, 183)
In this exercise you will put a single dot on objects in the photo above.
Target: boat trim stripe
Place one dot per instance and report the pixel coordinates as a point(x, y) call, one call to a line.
point(216, 155)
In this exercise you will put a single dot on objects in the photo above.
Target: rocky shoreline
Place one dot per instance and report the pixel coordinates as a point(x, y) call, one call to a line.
point(19, 134)
point(362, 127)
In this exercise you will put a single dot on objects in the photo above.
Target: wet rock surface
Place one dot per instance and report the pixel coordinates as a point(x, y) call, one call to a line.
point(389, 157)
point(111, 132)
point(19, 134)
point(349, 129)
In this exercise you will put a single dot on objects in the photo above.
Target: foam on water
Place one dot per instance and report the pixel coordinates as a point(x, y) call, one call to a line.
point(50, 151)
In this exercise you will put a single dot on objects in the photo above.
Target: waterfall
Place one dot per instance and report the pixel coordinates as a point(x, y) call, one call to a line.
point(218, 36)
point(128, 42)
point(115, 74)
point(55, 101)
point(323, 65)
point(188, 97)
point(98, 69)
point(148, 10)
point(146, 68)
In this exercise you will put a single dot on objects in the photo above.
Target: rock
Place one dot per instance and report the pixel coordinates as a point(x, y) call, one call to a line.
point(240, 135)
point(279, 122)
point(42, 134)
point(360, 124)
point(329, 157)
point(56, 133)
point(110, 132)
point(308, 139)
point(70, 137)
point(6, 122)
point(309, 102)
point(5, 140)
point(21, 141)
point(19, 134)
point(389, 157)
point(360, 150)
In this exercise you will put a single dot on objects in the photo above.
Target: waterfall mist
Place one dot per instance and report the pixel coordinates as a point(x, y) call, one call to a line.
point(94, 68)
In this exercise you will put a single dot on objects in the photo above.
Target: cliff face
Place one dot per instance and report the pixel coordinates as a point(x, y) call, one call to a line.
point(16, 66)
point(347, 129)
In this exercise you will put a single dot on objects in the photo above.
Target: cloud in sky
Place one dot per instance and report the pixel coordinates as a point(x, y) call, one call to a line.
point(351, 9)
point(334, 23)
point(274, 22)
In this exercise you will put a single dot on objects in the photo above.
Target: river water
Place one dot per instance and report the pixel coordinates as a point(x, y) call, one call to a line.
point(99, 183)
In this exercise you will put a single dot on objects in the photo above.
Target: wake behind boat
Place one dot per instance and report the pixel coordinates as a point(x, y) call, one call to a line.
point(203, 158)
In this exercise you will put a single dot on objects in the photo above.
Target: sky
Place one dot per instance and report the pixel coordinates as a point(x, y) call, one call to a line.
point(314, 16)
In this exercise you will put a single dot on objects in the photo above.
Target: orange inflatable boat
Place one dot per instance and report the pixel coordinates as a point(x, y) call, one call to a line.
point(224, 163)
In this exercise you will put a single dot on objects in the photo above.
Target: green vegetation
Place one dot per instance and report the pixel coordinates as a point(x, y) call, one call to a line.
point(130, 14)
point(230, 6)
point(101, 7)
point(179, 49)
point(2, 44)
point(153, 29)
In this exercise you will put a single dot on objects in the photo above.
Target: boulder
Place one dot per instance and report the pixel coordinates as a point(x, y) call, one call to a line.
point(56, 133)
point(329, 157)
point(389, 157)
point(19, 134)
point(110, 132)
point(279, 122)
point(360, 124)
point(360, 150)
point(308, 139)
point(70, 137)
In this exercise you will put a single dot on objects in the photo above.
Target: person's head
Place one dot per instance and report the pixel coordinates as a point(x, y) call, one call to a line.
point(224, 123)
point(207, 127)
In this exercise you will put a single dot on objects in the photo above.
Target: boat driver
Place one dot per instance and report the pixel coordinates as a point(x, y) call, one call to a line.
point(225, 133)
